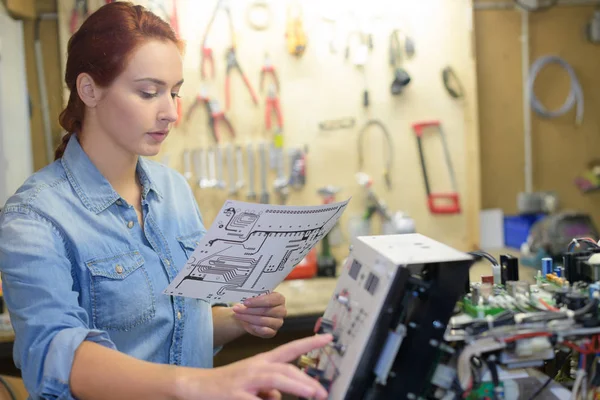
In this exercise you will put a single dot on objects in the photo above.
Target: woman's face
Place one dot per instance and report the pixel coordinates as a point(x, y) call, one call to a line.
point(137, 110)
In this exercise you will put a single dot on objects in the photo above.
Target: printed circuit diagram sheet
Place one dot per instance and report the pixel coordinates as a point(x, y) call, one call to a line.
point(250, 248)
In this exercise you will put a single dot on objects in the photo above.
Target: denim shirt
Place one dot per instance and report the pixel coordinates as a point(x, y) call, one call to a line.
point(76, 265)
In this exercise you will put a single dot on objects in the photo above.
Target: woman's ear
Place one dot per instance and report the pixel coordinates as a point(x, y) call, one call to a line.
point(87, 89)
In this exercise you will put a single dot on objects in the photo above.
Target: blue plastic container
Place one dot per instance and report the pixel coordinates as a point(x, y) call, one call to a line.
point(517, 227)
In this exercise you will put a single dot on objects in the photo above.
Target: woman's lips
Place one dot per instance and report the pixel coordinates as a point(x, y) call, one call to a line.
point(159, 136)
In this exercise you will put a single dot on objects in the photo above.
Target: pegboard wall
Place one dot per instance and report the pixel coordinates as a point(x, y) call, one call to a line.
point(322, 84)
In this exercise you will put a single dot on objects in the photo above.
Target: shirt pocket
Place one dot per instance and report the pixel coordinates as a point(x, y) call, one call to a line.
point(190, 242)
point(121, 292)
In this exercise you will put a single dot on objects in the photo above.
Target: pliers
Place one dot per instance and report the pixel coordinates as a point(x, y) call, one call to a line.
point(201, 98)
point(268, 69)
point(216, 115)
point(272, 106)
point(206, 54)
point(80, 8)
point(232, 63)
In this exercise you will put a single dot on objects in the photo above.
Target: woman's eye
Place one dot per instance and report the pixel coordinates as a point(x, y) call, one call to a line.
point(174, 95)
point(147, 95)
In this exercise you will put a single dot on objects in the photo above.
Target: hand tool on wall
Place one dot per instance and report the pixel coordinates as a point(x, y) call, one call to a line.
point(218, 116)
point(259, 15)
point(387, 149)
point(433, 199)
point(79, 10)
point(201, 99)
point(393, 223)
point(197, 161)
point(334, 124)
point(250, 158)
point(452, 83)
point(219, 160)
point(239, 157)
point(295, 35)
point(264, 193)
point(204, 180)
point(212, 176)
point(206, 53)
point(401, 77)
point(297, 159)
point(268, 69)
point(359, 57)
point(272, 107)
point(232, 63)
point(187, 165)
point(231, 169)
point(281, 181)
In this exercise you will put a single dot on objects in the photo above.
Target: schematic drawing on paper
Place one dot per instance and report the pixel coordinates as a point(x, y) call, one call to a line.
point(251, 248)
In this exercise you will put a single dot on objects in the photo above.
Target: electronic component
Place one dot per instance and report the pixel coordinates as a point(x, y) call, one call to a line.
point(402, 300)
point(405, 326)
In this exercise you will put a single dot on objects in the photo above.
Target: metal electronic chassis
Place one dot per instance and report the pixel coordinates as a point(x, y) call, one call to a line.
point(408, 324)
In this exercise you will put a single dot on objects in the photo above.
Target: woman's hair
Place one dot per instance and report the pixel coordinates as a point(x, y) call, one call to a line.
point(100, 48)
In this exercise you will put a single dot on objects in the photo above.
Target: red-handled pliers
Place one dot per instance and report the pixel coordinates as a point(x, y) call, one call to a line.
point(268, 69)
point(272, 106)
point(231, 64)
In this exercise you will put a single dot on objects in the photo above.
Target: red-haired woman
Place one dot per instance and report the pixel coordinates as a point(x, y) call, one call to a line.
point(88, 243)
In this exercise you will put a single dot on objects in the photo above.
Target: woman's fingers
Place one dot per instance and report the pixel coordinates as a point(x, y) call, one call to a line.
point(291, 351)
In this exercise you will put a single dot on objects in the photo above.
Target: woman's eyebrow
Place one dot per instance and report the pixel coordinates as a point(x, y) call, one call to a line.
point(158, 81)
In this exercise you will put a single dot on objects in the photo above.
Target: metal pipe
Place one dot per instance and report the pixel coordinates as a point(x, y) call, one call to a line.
point(39, 63)
point(528, 169)
point(509, 5)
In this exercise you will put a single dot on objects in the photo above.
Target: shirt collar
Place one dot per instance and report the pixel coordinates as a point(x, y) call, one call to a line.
point(94, 191)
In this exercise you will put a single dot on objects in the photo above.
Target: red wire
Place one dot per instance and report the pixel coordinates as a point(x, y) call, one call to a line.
point(526, 336)
point(548, 306)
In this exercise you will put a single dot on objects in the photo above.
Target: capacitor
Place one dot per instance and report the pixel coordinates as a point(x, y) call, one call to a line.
point(558, 271)
point(486, 291)
point(497, 273)
point(594, 287)
point(475, 295)
point(546, 266)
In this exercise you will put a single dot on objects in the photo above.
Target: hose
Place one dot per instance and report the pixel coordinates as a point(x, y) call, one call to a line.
point(575, 94)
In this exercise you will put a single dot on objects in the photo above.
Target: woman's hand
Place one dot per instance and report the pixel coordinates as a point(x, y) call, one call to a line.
point(264, 376)
point(262, 316)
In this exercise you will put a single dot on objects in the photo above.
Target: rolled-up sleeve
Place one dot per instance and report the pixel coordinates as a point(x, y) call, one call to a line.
point(38, 290)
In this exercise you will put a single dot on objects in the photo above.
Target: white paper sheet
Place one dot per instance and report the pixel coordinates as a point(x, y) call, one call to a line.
point(250, 248)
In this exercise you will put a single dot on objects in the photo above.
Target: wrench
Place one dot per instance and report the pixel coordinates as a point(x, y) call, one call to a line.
point(250, 156)
point(212, 180)
point(197, 160)
point(187, 165)
point(264, 195)
point(281, 182)
point(230, 170)
point(204, 180)
point(240, 167)
point(219, 159)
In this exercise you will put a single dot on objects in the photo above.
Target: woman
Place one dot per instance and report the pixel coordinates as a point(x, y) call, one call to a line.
point(88, 243)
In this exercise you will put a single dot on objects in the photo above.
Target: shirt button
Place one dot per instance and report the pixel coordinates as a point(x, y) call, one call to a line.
point(119, 269)
point(178, 314)
point(119, 202)
point(167, 263)
point(130, 224)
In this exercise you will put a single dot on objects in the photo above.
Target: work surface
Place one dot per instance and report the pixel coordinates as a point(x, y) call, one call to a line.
point(308, 297)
